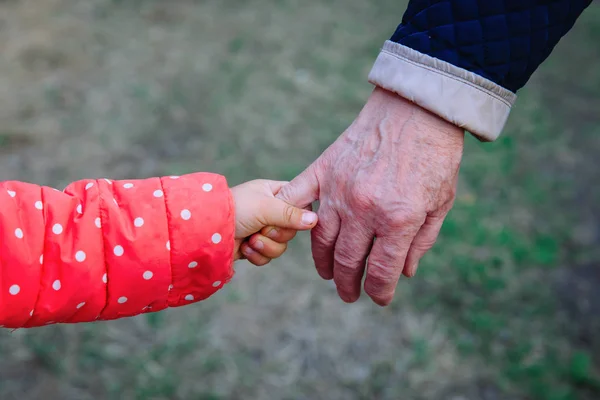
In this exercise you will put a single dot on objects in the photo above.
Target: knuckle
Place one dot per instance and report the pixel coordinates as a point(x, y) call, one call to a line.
point(452, 193)
point(323, 237)
point(403, 218)
point(448, 205)
point(270, 232)
point(287, 192)
point(363, 199)
point(380, 275)
point(424, 244)
point(345, 266)
point(288, 213)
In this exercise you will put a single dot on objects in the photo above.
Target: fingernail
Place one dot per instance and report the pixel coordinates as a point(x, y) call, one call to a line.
point(247, 251)
point(309, 218)
point(272, 233)
point(258, 245)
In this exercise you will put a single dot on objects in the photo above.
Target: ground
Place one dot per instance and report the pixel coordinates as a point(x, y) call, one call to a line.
point(504, 307)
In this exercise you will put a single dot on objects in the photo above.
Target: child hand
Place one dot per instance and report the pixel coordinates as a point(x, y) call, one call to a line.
point(256, 207)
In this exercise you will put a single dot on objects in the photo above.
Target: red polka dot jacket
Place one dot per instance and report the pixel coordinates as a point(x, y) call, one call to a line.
point(106, 249)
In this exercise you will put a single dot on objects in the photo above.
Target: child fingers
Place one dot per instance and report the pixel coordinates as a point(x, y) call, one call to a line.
point(275, 212)
point(267, 247)
point(279, 235)
point(253, 256)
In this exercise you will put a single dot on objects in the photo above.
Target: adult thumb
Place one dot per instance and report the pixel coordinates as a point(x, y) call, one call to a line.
point(303, 190)
point(280, 214)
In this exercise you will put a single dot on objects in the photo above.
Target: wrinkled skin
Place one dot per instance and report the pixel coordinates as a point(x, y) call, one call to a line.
point(391, 176)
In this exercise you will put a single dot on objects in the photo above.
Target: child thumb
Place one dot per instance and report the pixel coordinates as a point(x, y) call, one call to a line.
point(283, 215)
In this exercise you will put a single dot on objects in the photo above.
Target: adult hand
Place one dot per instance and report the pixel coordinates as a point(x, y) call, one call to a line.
point(384, 188)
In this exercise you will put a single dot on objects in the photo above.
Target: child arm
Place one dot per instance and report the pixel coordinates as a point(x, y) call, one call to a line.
point(104, 249)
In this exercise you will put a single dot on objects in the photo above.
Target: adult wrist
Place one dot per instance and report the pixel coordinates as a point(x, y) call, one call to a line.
point(385, 108)
point(459, 96)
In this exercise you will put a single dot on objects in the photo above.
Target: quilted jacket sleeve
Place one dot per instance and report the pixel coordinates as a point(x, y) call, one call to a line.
point(465, 59)
point(106, 249)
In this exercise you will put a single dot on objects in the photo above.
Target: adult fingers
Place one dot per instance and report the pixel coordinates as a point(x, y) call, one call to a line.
point(385, 265)
point(274, 186)
point(350, 255)
point(422, 243)
point(323, 238)
point(303, 190)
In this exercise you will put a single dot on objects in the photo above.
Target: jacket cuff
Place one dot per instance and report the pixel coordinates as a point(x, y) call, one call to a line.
point(201, 242)
point(463, 98)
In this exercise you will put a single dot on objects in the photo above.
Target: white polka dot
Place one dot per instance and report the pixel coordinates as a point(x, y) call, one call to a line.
point(19, 233)
point(148, 275)
point(186, 214)
point(11, 193)
point(98, 222)
point(79, 209)
point(80, 305)
point(169, 245)
point(193, 264)
point(216, 238)
point(80, 256)
point(104, 278)
point(128, 185)
point(158, 193)
point(174, 177)
point(39, 205)
point(108, 181)
point(207, 187)
point(138, 222)
point(216, 283)
point(118, 250)
point(170, 287)
point(115, 201)
point(89, 185)
point(122, 300)
point(42, 259)
point(31, 313)
point(56, 285)
point(57, 229)
point(189, 297)
point(14, 289)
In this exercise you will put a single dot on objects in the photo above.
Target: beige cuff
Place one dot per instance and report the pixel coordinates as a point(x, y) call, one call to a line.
point(468, 100)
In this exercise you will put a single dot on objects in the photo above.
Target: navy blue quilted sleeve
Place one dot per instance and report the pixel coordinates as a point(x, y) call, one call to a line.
point(502, 40)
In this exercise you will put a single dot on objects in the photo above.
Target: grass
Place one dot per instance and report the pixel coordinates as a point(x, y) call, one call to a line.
point(259, 89)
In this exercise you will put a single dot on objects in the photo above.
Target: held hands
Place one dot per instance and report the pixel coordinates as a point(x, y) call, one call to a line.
point(256, 207)
point(384, 188)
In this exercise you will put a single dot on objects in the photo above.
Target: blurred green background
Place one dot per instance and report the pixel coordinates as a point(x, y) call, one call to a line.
point(505, 307)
